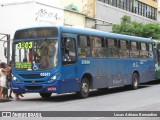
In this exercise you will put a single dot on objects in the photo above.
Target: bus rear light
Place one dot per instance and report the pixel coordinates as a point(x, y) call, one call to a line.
point(51, 89)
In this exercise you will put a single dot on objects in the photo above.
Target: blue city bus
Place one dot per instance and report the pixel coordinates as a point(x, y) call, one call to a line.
point(63, 59)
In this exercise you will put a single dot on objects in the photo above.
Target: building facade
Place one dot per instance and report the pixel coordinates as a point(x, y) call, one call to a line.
point(101, 14)
point(158, 18)
point(144, 11)
point(79, 13)
point(146, 8)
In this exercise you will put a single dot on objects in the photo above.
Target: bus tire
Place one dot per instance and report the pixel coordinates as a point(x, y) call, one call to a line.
point(45, 95)
point(84, 88)
point(135, 81)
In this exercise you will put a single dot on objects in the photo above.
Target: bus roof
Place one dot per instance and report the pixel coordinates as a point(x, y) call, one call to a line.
point(156, 41)
point(98, 33)
point(94, 32)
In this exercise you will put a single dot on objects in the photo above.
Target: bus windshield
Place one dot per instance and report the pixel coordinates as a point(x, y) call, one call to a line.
point(35, 55)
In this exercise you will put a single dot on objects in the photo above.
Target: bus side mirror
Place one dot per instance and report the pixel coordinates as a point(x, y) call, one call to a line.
point(5, 52)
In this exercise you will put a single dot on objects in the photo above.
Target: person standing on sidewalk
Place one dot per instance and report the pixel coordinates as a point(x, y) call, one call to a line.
point(3, 80)
point(9, 78)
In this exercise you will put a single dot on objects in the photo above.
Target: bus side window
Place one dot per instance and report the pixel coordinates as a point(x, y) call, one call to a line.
point(112, 50)
point(68, 51)
point(83, 47)
point(134, 50)
point(150, 51)
point(98, 47)
point(123, 51)
point(143, 50)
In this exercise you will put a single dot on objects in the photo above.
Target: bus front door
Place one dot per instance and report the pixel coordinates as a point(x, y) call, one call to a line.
point(69, 61)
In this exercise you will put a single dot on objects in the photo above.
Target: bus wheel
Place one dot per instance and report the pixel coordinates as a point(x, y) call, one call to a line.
point(135, 81)
point(84, 88)
point(45, 95)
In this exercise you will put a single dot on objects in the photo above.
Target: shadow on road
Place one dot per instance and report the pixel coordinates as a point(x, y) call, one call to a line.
point(7, 100)
point(94, 93)
point(155, 82)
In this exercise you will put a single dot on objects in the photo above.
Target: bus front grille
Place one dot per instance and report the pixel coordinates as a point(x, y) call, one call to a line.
point(35, 81)
point(31, 76)
point(33, 87)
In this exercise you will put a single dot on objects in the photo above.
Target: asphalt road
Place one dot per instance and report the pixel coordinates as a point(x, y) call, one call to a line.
point(146, 98)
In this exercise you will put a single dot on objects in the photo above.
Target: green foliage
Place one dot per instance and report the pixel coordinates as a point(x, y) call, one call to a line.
point(135, 28)
point(124, 27)
point(151, 30)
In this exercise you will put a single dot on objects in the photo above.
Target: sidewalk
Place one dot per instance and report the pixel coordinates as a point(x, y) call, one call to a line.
point(26, 96)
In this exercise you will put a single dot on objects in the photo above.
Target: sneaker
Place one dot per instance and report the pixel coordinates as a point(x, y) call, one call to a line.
point(10, 97)
point(21, 95)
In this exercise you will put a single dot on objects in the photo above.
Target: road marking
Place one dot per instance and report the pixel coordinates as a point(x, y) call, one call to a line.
point(99, 118)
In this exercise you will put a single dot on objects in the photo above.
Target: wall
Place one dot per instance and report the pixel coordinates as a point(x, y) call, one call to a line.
point(150, 2)
point(86, 7)
point(18, 15)
point(54, 3)
point(158, 17)
point(72, 18)
point(113, 15)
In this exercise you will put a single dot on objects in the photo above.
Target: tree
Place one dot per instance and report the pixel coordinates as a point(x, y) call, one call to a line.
point(125, 27)
point(151, 30)
point(135, 28)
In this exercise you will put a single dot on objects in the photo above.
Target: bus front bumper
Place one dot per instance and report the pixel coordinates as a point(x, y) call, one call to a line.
point(36, 88)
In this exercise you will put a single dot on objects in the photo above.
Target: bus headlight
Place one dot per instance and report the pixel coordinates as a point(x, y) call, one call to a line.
point(15, 79)
point(53, 78)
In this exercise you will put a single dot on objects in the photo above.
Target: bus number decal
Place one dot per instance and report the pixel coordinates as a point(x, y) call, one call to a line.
point(44, 74)
point(84, 62)
point(25, 45)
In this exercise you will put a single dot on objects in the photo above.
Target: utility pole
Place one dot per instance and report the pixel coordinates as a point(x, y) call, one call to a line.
point(7, 50)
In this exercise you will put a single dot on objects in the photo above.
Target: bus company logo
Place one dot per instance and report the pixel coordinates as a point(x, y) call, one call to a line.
point(33, 82)
point(6, 114)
